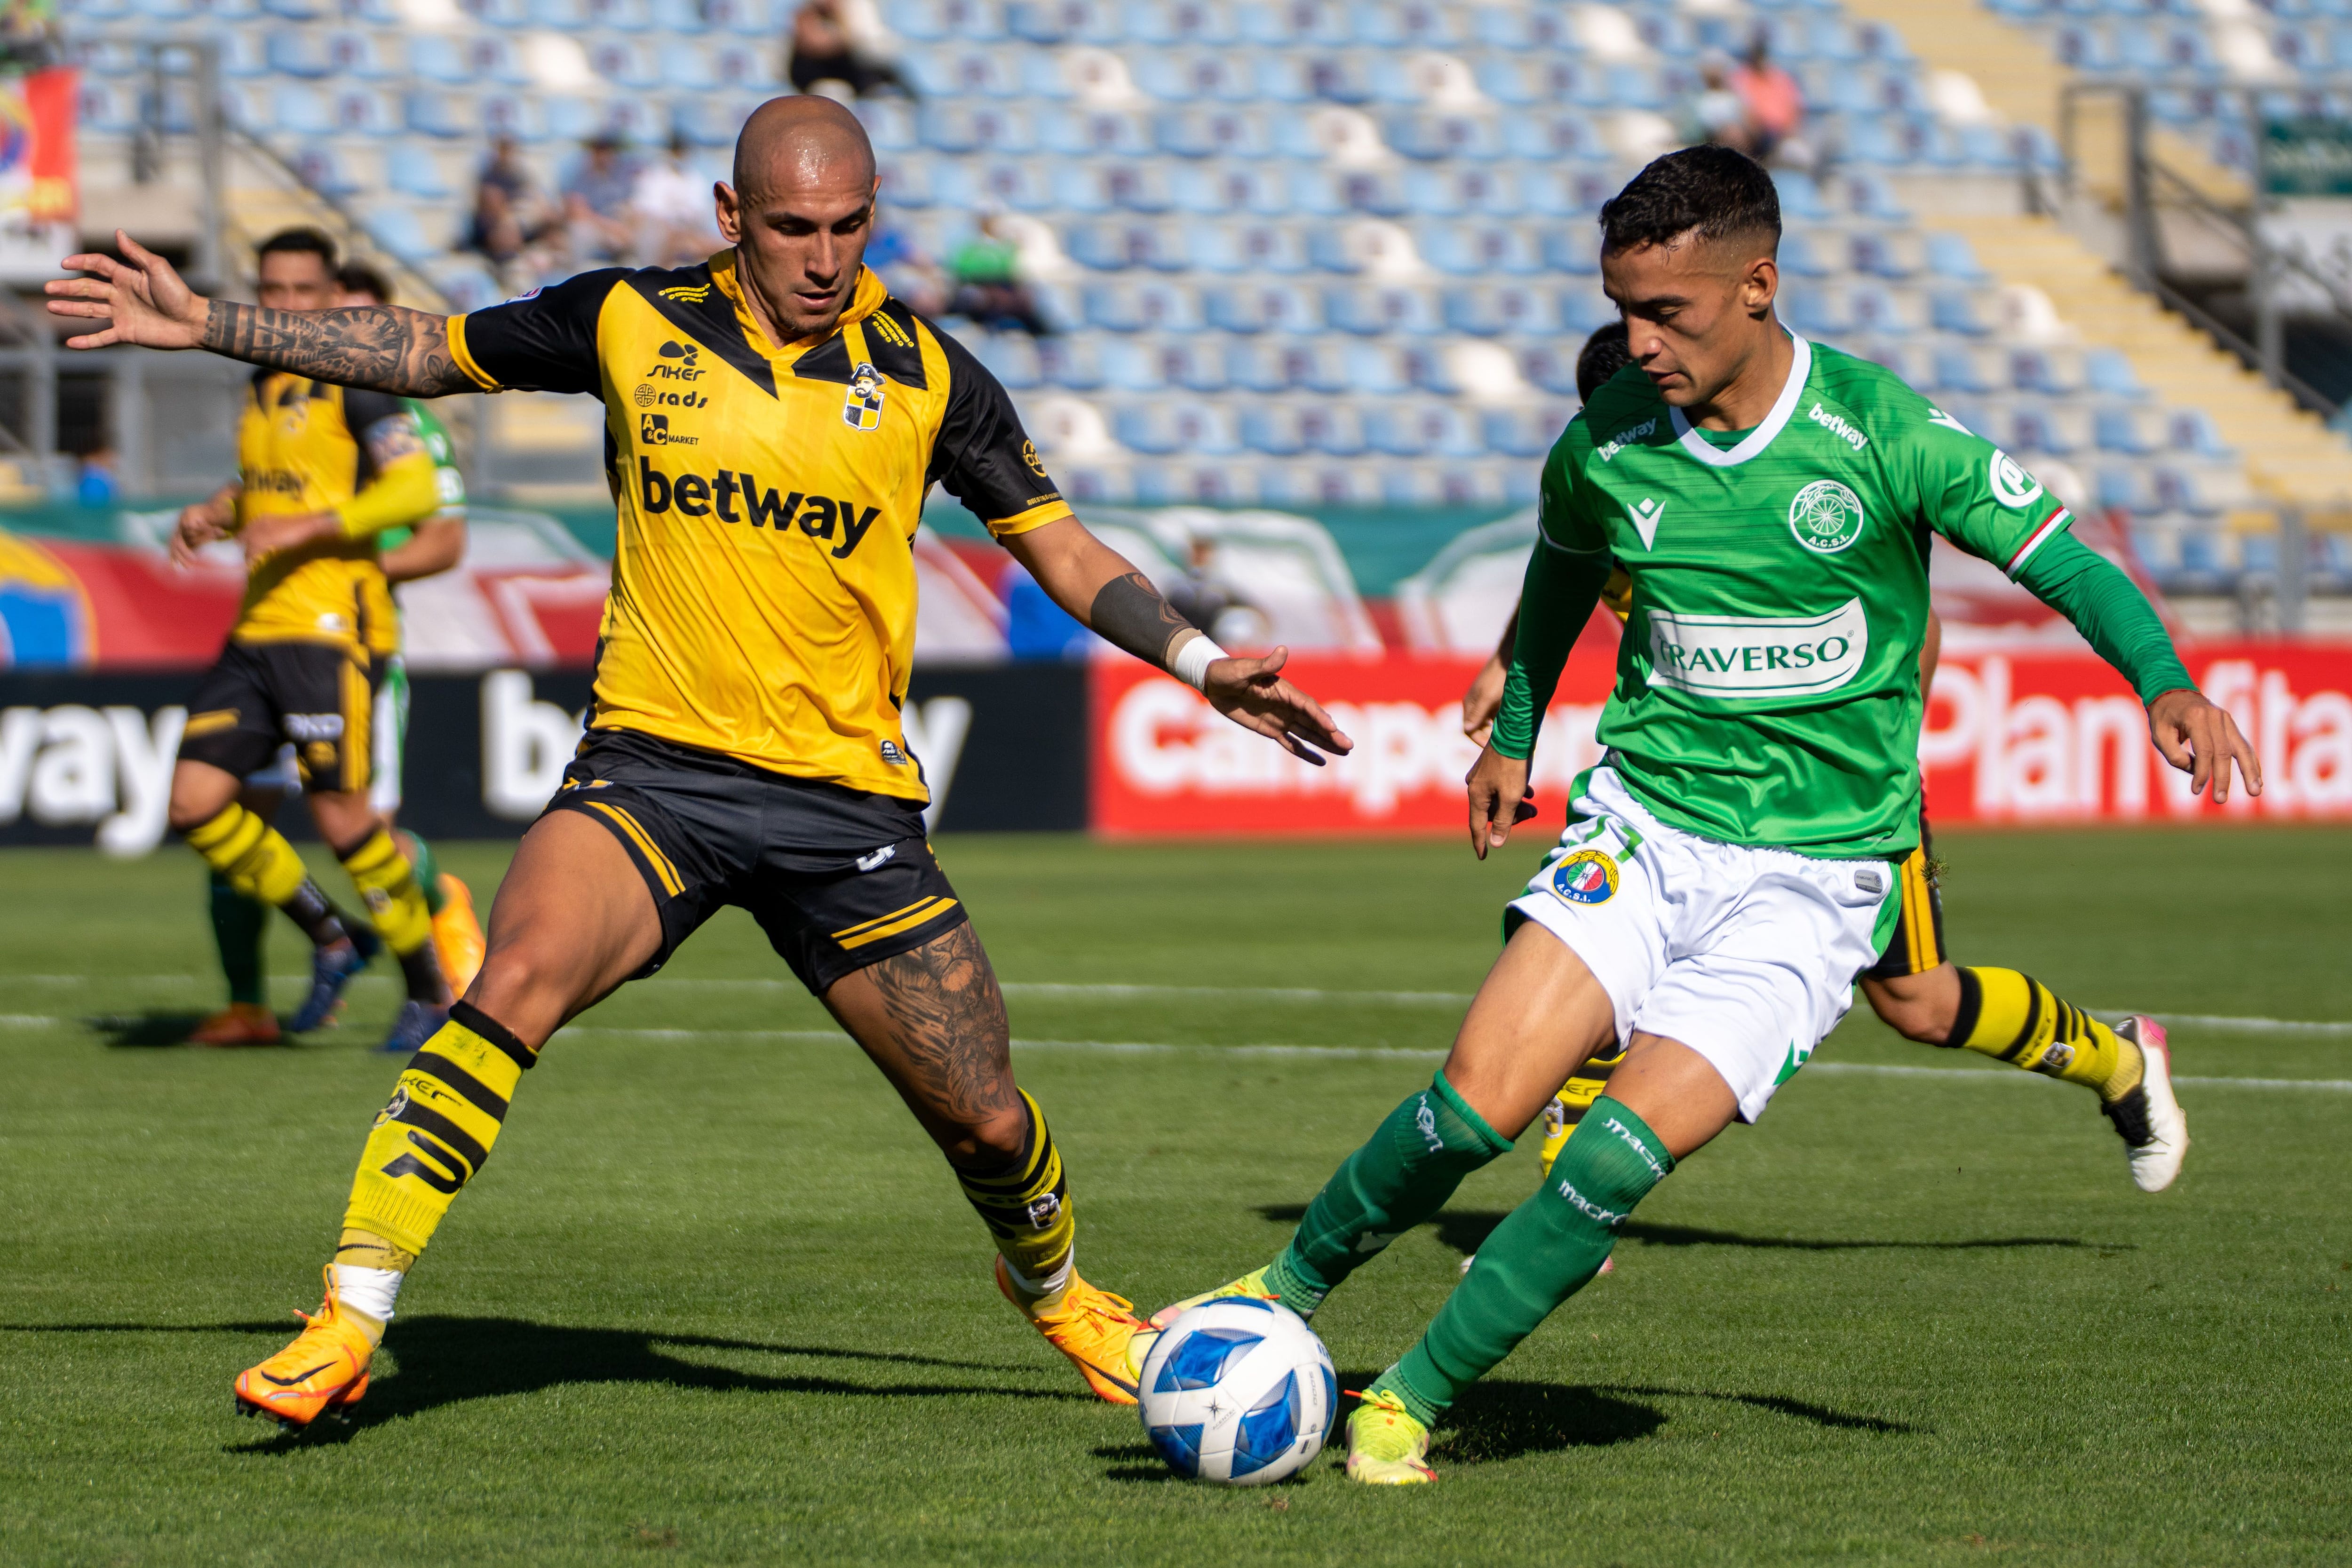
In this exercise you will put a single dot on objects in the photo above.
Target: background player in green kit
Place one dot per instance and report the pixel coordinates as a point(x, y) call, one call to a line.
point(1729, 868)
point(432, 545)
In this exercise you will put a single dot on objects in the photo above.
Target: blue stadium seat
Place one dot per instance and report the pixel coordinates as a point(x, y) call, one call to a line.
point(1522, 432)
point(1585, 310)
point(1411, 24)
point(397, 231)
point(2043, 373)
point(2134, 430)
point(1211, 131)
point(440, 59)
point(1500, 310)
point(1800, 197)
point(1370, 310)
point(1549, 135)
point(1076, 133)
point(711, 121)
point(1818, 312)
point(1800, 259)
point(1302, 22)
point(1478, 250)
point(1333, 429)
point(1551, 366)
point(2193, 430)
point(1950, 256)
point(300, 110)
point(1264, 307)
point(1220, 190)
point(686, 66)
point(1130, 364)
point(1195, 364)
point(1272, 430)
point(919, 20)
point(1180, 22)
point(321, 170)
point(1317, 363)
point(1377, 369)
point(1419, 133)
point(411, 170)
point(2111, 375)
point(1071, 363)
point(298, 52)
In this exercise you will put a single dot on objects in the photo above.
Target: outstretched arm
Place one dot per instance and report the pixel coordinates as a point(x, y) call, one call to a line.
point(2195, 736)
point(145, 302)
point(1119, 604)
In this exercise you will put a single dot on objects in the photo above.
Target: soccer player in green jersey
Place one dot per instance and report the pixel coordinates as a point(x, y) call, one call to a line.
point(1729, 868)
point(1914, 986)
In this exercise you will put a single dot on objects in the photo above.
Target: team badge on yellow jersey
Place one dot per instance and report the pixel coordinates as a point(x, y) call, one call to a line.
point(862, 408)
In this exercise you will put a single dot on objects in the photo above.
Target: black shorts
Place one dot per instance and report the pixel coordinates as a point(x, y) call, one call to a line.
point(257, 696)
point(1917, 944)
point(837, 878)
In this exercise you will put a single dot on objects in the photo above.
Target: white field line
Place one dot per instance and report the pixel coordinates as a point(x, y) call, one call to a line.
point(1155, 1048)
point(1055, 989)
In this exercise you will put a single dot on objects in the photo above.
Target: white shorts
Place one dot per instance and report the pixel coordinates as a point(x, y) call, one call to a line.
point(1745, 955)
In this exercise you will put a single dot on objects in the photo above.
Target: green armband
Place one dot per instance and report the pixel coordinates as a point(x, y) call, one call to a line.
point(403, 494)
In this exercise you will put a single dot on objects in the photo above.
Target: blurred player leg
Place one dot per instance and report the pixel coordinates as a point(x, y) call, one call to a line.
point(457, 934)
point(2014, 1018)
point(241, 923)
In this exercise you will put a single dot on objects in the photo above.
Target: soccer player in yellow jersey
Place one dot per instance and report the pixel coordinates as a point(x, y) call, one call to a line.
point(1914, 987)
point(323, 473)
point(433, 544)
point(774, 420)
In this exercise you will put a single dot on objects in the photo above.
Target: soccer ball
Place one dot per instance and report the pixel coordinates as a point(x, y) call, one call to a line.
point(1239, 1391)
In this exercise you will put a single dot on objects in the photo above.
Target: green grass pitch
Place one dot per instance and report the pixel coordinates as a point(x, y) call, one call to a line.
point(717, 1301)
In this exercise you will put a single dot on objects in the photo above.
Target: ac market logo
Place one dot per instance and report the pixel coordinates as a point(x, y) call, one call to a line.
point(652, 430)
point(1826, 517)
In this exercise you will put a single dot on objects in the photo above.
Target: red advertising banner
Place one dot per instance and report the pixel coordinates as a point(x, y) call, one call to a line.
point(2027, 736)
point(50, 100)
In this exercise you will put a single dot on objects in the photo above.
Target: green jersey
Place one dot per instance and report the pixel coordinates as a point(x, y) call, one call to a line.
point(446, 480)
point(1767, 684)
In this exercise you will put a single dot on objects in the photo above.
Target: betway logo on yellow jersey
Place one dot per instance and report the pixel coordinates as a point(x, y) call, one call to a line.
point(1758, 655)
point(736, 497)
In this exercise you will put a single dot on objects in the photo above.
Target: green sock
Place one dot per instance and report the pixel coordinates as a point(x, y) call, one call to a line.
point(1399, 1178)
point(427, 871)
point(238, 926)
point(1537, 1259)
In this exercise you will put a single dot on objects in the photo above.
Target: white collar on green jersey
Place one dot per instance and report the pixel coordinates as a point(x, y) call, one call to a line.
point(1801, 365)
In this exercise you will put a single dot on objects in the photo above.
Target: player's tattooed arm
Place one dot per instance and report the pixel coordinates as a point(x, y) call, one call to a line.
point(383, 347)
point(1129, 615)
point(144, 301)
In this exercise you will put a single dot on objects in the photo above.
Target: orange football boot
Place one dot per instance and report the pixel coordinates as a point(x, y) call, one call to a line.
point(323, 1370)
point(458, 935)
point(238, 1023)
point(1094, 1328)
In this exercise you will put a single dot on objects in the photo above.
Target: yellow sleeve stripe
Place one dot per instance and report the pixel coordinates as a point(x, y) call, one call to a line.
point(205, 723)
point(455, 329)
point(891, 924)
point(670, 882)
point(1037, 516)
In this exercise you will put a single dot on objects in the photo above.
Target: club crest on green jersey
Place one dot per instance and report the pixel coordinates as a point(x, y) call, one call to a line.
point(2011, 485)
point(1825, 517)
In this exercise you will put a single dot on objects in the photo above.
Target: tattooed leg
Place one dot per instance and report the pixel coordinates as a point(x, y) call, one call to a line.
point(933, 1021)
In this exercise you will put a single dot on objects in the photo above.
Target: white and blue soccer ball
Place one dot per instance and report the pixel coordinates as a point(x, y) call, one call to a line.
point(1239, 1391)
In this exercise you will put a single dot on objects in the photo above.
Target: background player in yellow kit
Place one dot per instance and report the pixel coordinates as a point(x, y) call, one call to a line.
point(323, 473)
point(773, 421)
point(1914, 987)
point(432, 545)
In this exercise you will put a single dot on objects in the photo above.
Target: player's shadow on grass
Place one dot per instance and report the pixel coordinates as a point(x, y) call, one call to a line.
point(1465, 1231)
point(156, 1027)
point(445, 1361)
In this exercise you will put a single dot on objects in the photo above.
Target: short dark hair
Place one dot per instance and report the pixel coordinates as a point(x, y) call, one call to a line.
point(359, 277)
point(1604, 354)
point(1713, 192)
point(303, 241)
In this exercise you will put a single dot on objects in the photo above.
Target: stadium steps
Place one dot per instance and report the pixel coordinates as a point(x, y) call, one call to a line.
point(2289, 453)
point(2021, 80)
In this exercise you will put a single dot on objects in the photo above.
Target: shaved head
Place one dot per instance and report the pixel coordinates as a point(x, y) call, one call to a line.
point(799, 214)
point(801, 141)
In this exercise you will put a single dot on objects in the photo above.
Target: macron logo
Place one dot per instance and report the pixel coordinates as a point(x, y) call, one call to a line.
point(1644, 518)
point(1836, 425)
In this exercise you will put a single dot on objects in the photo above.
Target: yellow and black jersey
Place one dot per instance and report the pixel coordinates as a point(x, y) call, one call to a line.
point(763, 585)
point(303, 446)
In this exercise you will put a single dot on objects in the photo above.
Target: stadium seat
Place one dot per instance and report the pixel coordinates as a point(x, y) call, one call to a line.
point(1377, 369)
point(411, 170)
point(1333, 429)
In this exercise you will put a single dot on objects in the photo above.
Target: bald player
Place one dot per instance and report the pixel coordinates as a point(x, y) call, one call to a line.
point(773, 421)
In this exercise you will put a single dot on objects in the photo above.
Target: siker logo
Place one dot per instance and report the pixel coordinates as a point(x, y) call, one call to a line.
point(1825, 517)
point(1587, 877)
point(678, 362)
point(652, 430)
point(694, 495)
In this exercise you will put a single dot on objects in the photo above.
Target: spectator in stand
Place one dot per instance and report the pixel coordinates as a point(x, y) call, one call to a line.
point(988, 287)
point(509, 216)
point(1775, 108)
point(843, 41)
point(1719, 114)
point(674, 208)
point(596, 203)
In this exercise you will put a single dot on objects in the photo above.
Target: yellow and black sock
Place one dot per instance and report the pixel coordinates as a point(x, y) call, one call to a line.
point(1026, 1206)
point(255, 860)
point(2017, 1018)
point(1564, 1112)
point(442, 1123)
point(380, 871)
